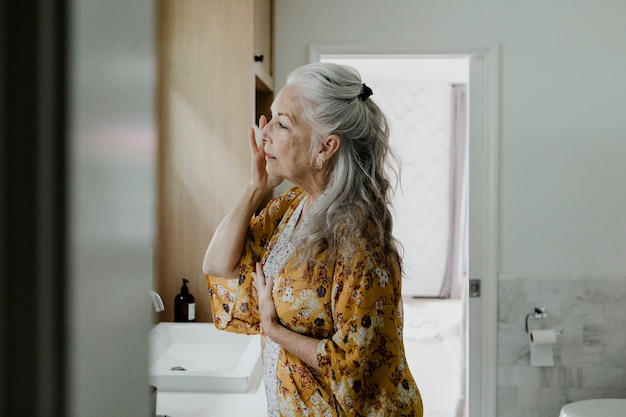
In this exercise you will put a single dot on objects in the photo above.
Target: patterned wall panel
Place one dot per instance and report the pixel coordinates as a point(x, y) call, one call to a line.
point(420, 116)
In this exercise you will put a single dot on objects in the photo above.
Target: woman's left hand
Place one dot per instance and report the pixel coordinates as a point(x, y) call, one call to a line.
point(267, 309)
point(303, 346)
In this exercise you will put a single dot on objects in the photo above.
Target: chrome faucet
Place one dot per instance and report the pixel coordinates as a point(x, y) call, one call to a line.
point(157, 301)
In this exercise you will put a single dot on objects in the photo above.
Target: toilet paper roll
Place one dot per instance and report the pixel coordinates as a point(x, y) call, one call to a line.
point(541, 343)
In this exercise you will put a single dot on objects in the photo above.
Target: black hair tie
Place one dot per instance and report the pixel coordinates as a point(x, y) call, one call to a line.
point(365, 93)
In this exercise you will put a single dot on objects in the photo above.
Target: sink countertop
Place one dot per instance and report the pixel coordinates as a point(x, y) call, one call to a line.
point(212, 404)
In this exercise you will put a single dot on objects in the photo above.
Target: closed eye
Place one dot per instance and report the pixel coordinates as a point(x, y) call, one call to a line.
point(279, 120)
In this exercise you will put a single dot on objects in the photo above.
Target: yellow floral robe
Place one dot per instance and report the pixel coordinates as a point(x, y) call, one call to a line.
point(353, 305)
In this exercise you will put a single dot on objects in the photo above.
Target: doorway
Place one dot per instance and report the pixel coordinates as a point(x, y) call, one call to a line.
point(425, 102)
point(477, 380)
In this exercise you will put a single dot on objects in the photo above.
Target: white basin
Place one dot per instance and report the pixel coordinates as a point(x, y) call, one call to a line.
point(197, 357)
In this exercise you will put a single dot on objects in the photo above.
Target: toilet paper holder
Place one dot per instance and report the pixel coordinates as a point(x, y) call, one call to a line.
point(540, 313)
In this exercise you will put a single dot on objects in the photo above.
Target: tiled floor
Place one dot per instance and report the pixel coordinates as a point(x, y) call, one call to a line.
point(435, 364)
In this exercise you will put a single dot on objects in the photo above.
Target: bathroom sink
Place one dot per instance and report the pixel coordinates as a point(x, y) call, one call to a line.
point(196, 357)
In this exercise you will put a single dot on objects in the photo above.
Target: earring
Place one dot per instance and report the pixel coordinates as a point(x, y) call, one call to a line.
point(319, 165)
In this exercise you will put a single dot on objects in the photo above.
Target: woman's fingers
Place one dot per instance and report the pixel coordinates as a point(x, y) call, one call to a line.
point(255, 134)
point(259, 280)
point(264, 287)
point(260, 177)
point(252, 137)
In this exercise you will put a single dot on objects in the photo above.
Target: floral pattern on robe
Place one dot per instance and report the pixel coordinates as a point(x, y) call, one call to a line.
point(352, 304)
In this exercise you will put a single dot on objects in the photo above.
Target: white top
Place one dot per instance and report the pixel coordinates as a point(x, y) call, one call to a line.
point(273, 264)
point(605, 407)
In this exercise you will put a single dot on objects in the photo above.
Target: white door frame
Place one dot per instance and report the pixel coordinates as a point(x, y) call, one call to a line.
point(483, 202)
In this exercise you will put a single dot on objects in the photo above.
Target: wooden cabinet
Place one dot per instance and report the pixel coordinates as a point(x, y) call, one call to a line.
point(263, 11)
point(263, 39)
point(210, 90)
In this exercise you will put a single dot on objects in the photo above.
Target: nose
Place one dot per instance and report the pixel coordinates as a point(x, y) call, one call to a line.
point(263, 133)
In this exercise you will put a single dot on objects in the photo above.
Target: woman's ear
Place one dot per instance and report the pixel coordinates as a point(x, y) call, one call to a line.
point(329, 146)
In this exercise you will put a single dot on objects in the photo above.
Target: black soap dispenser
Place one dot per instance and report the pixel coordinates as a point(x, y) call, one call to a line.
point(184, 305)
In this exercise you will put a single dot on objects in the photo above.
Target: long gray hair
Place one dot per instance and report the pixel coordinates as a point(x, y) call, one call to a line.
point(359, 189)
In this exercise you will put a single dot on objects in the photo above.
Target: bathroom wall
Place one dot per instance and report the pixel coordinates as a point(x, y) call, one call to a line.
point(205, 107)
point(589, 360)
point(562, 188)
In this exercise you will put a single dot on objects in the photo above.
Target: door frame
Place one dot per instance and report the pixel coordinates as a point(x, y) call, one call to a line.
point(481, 312)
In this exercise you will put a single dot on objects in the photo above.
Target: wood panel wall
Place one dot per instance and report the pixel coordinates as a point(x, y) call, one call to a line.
point(206, 95)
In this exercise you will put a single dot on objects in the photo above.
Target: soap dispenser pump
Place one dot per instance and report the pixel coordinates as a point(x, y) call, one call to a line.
point(184, 305)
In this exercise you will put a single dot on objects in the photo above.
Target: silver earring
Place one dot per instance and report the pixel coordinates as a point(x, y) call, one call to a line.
point(319, 165)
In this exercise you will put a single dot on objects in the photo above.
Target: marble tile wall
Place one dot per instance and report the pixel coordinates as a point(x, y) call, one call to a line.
point(589, 357)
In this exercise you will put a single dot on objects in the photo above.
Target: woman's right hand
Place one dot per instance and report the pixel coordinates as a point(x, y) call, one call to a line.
point(260, 178)
point(224, 251)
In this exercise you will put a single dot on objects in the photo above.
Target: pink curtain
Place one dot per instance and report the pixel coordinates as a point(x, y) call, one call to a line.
point(456, 264)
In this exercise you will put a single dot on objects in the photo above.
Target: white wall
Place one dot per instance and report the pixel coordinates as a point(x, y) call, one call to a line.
point(563, 133)
point(562, 208)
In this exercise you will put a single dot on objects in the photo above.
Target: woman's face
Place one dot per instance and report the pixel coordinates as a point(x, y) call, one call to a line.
point(287, 139)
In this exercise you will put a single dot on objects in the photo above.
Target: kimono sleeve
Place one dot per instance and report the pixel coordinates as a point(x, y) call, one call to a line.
point(234, 302)
point(361, 362)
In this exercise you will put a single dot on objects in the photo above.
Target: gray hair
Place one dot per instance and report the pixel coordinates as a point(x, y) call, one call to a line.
point(359, 188)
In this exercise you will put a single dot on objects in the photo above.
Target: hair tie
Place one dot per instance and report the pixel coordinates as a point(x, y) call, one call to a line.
point(365, 93)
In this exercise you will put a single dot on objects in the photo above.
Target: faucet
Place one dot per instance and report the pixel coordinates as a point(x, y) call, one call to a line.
point(157, 301)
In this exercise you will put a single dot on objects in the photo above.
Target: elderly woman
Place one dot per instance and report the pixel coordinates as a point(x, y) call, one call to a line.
point(317, 271)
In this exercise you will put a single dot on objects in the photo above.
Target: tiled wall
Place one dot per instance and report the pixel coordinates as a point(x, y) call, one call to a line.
point(589, 357)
